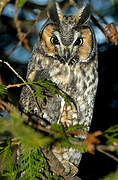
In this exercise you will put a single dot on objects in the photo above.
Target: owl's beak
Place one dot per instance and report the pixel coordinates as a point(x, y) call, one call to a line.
point(66, 54)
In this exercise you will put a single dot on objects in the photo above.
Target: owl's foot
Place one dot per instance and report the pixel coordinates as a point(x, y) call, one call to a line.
point(70, 169)
point(64, 169)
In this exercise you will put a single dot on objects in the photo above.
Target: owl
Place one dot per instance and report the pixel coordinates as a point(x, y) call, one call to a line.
point(66, 55)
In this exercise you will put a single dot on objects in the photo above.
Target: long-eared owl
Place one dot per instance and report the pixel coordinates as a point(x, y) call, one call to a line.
point(66, 55)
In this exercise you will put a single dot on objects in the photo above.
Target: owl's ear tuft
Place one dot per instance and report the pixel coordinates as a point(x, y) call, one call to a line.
point(83, 15)
point(54, 12)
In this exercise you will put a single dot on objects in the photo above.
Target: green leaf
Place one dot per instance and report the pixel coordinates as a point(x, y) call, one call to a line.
point(6, 164)
point(34, 165)
point(65, 143)
point(3, 91)
point(111, 134)
point(57, 128)
point(21, 3)
point(77, 127)
point(44, 88)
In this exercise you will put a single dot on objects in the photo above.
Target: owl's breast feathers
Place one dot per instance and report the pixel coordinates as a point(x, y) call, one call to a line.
point(78, 81)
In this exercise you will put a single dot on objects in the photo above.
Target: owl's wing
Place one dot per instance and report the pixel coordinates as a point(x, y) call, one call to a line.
point(47, 106)
point(28, 101)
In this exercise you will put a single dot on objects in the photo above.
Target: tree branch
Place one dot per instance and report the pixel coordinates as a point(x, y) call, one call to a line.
point(10, 67)
point(104, 148)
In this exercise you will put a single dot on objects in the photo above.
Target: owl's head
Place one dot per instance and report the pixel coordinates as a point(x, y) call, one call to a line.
point(68, 39)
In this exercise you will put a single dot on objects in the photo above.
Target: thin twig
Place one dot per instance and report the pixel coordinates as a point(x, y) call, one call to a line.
point(103, 149)
point(21, 35)
point(18, 85)
point(10, 67)
point(52, 132)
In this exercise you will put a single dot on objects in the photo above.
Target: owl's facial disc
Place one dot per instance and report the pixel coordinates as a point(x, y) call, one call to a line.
point(78, 47)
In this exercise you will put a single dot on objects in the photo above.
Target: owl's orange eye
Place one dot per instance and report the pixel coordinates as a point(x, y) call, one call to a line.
point(54, 40)
point(78, 42)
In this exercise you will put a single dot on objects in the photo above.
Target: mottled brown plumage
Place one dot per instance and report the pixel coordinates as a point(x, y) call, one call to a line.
point(66, 55)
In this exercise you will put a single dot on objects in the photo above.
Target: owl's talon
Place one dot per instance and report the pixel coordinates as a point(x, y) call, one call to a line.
point(70, 169)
